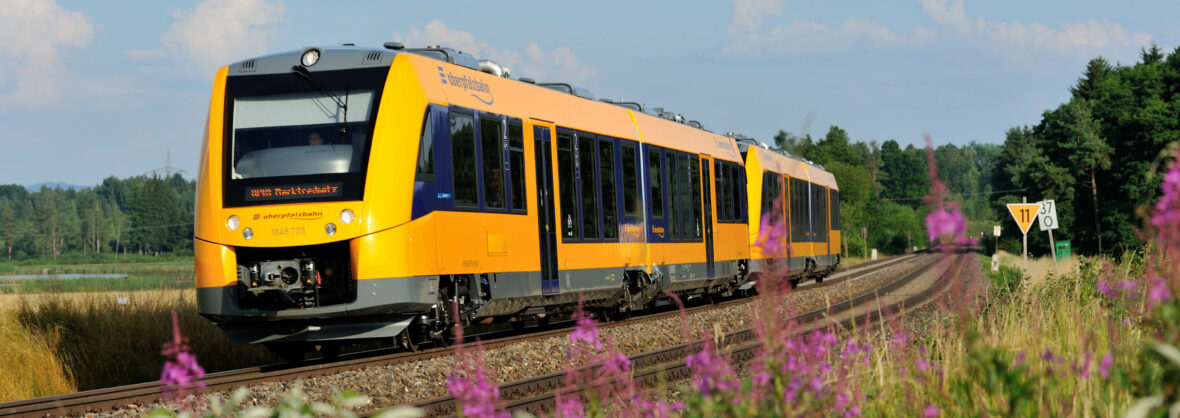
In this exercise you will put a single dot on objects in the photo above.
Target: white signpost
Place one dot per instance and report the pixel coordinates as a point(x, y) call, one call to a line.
point(1048, 215)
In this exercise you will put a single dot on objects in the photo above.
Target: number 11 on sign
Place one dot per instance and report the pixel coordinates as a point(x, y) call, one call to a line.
point(1024, 214)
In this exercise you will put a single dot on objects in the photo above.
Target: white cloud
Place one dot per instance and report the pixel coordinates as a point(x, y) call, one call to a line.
point(215, 33)
point(559, 64)
point(1085, 37)
point(1017, 41)
point(33, 31)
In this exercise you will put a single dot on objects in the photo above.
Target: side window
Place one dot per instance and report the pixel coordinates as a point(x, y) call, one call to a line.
point(630, 180)
point(516, 166)
point(463, 159)
point(835, 208)
point(695, 176)
point(799, 215)
point(606, 171)
point(425, 170)
point(670, 159)
point(566, 186)
point(586, 168)
point(719, 186)
point(820, 213)
point(655, 179)
point(770, 192)
point(491, 144)
point(739, 193)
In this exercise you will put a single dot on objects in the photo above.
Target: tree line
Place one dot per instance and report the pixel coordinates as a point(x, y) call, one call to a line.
point(140, 215)
point(1094, 155)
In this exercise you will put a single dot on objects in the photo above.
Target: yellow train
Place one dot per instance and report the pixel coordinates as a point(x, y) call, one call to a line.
point(350, 193)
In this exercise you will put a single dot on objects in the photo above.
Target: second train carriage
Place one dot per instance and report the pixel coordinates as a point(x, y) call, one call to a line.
point(802, 200)
point(350, 193)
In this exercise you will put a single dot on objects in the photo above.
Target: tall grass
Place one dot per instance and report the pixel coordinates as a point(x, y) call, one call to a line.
point(28, 366)
point(103, 344)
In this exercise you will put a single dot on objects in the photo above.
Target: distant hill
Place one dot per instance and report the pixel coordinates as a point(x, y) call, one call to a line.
point(57, 185)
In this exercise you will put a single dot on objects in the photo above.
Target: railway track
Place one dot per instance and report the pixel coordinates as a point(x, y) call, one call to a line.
point(109, 399)
point(666, 366)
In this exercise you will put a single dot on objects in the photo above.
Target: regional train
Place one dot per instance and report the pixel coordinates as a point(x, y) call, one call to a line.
point(349, 193)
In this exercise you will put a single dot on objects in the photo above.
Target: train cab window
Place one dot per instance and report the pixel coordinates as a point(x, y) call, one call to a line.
point(586, 170)
point(566, 186)
point(491, 143)
point(695, 184)
point(606, 171)
point(463, 160)
point(655, 179)
point(516, 165)
point(425, 170)
point(835, 209)
point(630, 181)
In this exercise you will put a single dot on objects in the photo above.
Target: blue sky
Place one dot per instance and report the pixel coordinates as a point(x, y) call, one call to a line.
point(91, 89)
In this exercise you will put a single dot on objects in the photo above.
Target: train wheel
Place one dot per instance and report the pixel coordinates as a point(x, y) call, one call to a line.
point(442, 338)
point(407, 340)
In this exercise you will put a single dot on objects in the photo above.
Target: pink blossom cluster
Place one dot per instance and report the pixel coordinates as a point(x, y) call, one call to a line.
point(615, 387)
point(182, 374)
point(1164, 276)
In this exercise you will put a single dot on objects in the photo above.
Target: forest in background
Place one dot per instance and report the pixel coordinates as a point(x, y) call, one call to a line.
point(139, 215)
point(1096, 155)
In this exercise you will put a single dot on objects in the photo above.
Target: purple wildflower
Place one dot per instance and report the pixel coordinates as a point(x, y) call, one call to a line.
point(930, 411)
point(1105, 288)
point(474, 390)
point(586, 331)
point(949, 224)
point(1085, 369)
point(181, 372)
point(923, 365)
point(710, 371)
point(617, 363)
point(1019, 360)
point(570, 407)
point(1104, 366)
point(1159, 292)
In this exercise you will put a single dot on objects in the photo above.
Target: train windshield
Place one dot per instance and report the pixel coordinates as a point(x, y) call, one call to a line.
point(299, 134)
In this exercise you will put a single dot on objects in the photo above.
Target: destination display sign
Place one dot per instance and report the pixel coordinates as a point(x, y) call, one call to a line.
point(294, 191)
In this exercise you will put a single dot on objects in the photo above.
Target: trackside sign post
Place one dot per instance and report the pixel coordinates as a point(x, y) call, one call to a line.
point(1048, 215)
point(1024, 214)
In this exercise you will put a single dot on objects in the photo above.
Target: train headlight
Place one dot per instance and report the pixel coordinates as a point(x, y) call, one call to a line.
point(233, 222)
point(310, 57)
point(330, 229)
point(247, 233)
point(347, 216)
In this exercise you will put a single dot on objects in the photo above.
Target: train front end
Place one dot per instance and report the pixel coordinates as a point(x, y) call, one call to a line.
point(303, 199)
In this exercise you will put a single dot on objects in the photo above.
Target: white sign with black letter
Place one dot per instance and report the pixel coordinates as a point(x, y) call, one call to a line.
point(1048, 215)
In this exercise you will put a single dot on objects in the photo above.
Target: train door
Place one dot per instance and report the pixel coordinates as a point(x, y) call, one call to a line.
point(707, 182)
point(546, 225)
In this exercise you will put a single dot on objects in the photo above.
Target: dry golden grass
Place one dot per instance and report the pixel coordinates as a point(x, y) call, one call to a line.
point(1040, 268)
point(28, 366)
point(97, 343)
